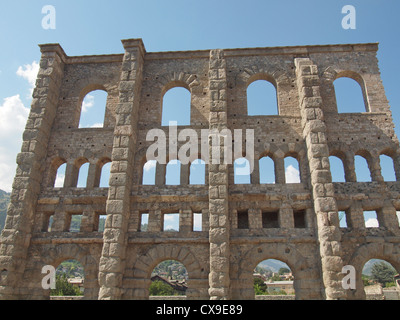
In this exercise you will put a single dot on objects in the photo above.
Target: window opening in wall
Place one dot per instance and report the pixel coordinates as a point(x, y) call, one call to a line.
point(273, 277)
point(267, 170)
point(47, 222)
point(149, 173)
point(342, 219)
point(387, 168)
point(70, 279)
point(270, 219)
point(261, 98)
point(241, 168)
point(75, 222)
point(398, 216)
point(243, 219)
point(101, 222)
point(197, 221)
point(105, 175)
point(171, 222)
point(362, 170)
point(173, 173)
point(380, 273)
point(371, 219)
point(144, 222)
point(169, 278)
point(292, 172)
point(337, 169)
point(93, 109)
point(349, 96)
point(176, 107)
point(60, 177)
point(83, 175)
point(197, 172)
point(299, 218)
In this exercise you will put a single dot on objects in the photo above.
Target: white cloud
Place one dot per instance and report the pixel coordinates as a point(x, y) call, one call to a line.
point(29, 72)
point(292, 174)
point(372, 223)
point(87, 103)
point(149, 165)
point(97, 125)
point(13, 116)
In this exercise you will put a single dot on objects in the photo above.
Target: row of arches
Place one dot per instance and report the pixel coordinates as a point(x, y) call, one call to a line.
point(270, 277)
point(261, 100)
point(362, 167)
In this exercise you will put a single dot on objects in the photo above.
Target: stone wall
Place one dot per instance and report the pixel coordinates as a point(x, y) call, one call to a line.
point(235, 234)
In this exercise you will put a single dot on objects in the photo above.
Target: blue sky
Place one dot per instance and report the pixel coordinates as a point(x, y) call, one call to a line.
point(96, 27)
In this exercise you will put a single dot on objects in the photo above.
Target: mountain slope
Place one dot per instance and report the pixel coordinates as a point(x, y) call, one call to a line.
point(4, 201)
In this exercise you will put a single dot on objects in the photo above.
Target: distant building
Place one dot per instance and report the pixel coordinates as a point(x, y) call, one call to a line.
point(179, 286)
point(77, 282)
point(277, 286)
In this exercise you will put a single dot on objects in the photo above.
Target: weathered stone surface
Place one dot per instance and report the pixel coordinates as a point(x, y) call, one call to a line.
point(242, 224)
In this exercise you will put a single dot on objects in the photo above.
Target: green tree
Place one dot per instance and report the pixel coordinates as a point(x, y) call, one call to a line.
point(160, 288)
point(260, 288)
point(64, 288)
point(283, 270)
point(382, 272)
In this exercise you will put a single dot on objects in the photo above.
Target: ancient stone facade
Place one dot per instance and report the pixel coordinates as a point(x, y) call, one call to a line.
point(221, 258)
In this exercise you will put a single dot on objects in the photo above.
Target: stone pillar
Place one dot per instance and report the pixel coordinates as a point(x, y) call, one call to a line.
point(17, 232)
point(218, 182)
point(112, 261)
point(314, 133)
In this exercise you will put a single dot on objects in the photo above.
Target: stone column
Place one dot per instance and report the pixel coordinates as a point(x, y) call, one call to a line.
point(218, 182)
point(314, 133)
point(17, 232)
point(112, 261)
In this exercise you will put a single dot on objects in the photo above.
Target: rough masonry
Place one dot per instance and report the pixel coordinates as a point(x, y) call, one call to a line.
point(242, 224)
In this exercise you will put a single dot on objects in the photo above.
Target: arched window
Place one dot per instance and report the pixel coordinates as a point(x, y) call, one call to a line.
point(149, 173)
point(349, 96)
point(60, 176)
point(292, 171)
point(70, 277)
point(267, 170)
point(164, 275)
point(105, 175)
point(173, 173)
point(241, 169)
point(362, 170)
point(387, 168)
point(197, 172)
point(278, 275)
point(83, 175)
point(261, 99)
point(93, 109)
point(176, 107)
point(337, 169)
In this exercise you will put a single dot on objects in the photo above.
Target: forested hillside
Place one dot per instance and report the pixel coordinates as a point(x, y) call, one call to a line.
point(4, 200)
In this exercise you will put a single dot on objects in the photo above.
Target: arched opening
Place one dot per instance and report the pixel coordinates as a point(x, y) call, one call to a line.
point(337, 169)
point(83, 175)
point(149, 173)
point(273, 277)
point(169, 278)
point(176, 107)
point(292, 171)
point(349, 96)
point(70, 279)
point(60, 176)
point(197, 172)
point(105, 175)
point(267, 170)
point(93, 109)
point(262, 99)
point(387, 168)
point(241, 168)
point(173, 173)
point(362, 170)
point(381, 280)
